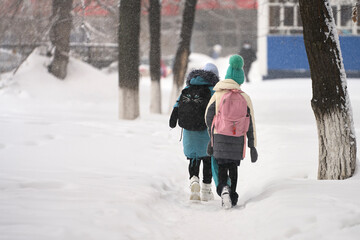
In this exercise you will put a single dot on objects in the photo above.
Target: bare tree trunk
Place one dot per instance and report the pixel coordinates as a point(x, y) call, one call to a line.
point(183, 51)
point(60, 37)
point(330, 102)
point(129, 33)
point(155, 55)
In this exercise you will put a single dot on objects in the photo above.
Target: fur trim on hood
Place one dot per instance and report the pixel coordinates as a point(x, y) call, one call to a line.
point(210, 77)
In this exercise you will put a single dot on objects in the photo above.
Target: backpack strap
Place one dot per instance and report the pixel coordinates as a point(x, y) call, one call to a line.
point(212, 131)
point(236, 91)
point(244, 150)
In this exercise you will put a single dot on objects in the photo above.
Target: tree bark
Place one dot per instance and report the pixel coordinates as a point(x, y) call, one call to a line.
point(60, 37)
point(155, 55)
point(183, 51)
point(129, 33)
point(330, 102)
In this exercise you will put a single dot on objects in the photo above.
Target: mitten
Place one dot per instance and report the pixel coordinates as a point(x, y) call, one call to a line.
point(173, 117)
point(253, 154)
point(210, 149)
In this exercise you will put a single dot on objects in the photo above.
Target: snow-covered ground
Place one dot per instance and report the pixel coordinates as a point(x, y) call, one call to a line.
point(69, 169)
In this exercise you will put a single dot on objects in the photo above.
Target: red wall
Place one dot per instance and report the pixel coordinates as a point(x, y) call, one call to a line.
point(171, 7)
point(92, 8)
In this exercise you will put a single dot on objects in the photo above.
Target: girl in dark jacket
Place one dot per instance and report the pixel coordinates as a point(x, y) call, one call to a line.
point(195, 142)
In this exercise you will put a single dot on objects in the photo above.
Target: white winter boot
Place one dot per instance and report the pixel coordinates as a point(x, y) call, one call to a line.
point(206, 193)
point(225, 198)
point(195, 188)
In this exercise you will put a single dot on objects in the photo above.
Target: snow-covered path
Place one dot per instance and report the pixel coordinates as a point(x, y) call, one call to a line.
point(69, 169)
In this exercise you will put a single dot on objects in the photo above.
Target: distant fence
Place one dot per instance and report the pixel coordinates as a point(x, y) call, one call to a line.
point(96, 54)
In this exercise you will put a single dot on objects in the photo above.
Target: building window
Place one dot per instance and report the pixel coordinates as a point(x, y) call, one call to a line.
point(345, 20)
point(289, 16)
point(334, 9)
point(284, 17)
point(274, 16)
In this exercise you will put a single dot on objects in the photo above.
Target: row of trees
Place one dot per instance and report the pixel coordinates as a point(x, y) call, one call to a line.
point(58, 24)
point(27, 24)
point(129, 32)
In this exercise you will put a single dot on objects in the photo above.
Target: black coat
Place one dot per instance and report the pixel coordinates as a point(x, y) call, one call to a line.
point(249, 56)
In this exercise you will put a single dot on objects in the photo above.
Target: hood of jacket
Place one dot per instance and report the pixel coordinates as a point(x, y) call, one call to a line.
point(226, 84)
point(202, 77)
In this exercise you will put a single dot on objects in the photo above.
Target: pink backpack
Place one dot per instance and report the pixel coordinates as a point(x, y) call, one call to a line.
point(232, 118)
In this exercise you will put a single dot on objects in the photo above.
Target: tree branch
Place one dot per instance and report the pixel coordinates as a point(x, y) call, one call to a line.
point(111, 9)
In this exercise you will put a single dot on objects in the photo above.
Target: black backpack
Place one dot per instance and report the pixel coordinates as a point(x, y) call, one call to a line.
point(192, 105)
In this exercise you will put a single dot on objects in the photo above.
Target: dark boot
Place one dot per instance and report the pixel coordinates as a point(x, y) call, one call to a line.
point(234, 198)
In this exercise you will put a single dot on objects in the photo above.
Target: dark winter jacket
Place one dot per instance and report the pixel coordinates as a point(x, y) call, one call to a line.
point(249, 56)
point(195, 142)
point(228, 148)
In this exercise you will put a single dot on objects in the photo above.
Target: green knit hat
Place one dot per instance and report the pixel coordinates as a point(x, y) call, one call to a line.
point(235, 70)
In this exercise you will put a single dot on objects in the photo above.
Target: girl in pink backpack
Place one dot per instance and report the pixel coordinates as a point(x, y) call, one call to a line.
point(230, 120)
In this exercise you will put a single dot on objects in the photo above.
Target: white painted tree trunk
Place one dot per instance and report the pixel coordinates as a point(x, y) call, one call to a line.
point(129, 32)
point(155, 55)
point(330, 102)
point(128, 103)
point(337, 145)
point(155, 98)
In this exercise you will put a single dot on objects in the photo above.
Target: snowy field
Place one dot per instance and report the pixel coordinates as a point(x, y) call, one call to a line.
point(69, 169)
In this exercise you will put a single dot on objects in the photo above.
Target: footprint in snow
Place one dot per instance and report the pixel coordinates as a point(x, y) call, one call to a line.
point(48, 137)
point(38, 123)
point(30, 143)
point(42, 185)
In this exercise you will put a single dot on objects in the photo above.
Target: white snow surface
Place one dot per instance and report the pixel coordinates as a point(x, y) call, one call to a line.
point(70, 169)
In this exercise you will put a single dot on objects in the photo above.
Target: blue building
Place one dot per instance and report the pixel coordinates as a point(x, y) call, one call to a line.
point(281, 50)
